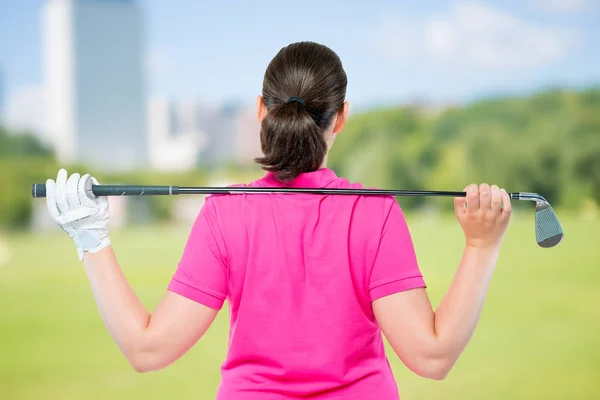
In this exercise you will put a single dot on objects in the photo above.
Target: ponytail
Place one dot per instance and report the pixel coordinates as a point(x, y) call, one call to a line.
point(291, 141)
point(303, 89)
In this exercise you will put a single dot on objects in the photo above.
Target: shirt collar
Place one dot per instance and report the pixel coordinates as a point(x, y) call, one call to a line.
point(315, 179)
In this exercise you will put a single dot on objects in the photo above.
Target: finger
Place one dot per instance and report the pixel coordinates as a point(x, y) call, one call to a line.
point(460, 204)
point(472, 198)
point(506, 205)
point(102, 200)
point(71, 190)
point(496, 200)
point(80, 213)
point(84, 183)
point(51, 199)
point(485, 196)
point(61, 192)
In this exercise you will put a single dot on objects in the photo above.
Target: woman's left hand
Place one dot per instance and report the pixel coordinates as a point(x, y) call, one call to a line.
point(83, 218)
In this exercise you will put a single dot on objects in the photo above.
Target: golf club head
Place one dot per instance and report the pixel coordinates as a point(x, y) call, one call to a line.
point(548, 231)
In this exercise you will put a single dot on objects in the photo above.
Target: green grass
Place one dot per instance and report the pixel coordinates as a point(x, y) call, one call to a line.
point(538, 338)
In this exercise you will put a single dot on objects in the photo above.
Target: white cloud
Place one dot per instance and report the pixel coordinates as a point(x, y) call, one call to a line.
point(486, 37)
point(474, 35)
point(563, 5)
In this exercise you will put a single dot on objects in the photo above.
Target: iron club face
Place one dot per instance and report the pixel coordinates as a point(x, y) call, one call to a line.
point(548, 230)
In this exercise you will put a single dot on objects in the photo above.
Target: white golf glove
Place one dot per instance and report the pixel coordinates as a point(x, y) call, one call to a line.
point(84, 219)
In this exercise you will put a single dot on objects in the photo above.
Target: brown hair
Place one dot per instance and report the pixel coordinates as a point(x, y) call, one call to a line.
point(312, 78)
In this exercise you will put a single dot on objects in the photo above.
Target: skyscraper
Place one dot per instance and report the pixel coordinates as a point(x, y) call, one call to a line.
point(94, 82)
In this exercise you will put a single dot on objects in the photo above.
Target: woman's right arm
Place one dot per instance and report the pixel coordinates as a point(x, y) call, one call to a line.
point(429, 342)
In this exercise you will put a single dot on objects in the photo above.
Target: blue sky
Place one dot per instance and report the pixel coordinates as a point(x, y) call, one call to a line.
point(393, 51)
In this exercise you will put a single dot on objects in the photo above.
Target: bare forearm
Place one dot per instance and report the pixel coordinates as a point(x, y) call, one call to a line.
point(123, 314)
point(458, 313)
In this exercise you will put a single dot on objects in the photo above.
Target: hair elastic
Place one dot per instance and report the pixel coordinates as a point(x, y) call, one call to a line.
point(295, 99)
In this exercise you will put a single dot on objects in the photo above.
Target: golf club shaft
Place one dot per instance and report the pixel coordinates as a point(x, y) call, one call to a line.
point(39, 190)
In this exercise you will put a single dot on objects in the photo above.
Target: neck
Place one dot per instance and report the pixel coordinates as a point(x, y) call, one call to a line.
point(330, 138)
point(324, 163)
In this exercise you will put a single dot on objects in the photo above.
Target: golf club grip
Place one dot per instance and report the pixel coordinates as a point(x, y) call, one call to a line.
point(39, 190)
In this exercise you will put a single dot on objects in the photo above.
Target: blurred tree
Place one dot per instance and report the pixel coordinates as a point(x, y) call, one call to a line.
point(22, 144)
point(548, 143)
point(387, 146)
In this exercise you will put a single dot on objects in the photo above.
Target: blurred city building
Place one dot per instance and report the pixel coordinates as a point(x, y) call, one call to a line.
point(93, 107)
point(173, 137)
point(218, 121)
point(232, 134)
point(184, 133)
point(94, 82)
point(247, 136)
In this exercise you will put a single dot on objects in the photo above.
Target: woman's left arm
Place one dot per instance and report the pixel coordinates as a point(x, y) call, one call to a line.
point(148, 341)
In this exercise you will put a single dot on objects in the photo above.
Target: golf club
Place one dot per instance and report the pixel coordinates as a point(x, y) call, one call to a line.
point(548, 230)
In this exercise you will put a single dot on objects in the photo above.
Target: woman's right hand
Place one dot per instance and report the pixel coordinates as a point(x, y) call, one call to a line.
point(84, 219)
point(483, 214)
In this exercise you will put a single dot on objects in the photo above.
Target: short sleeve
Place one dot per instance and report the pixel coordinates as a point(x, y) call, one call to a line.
point(395, 268)
point(201, 275)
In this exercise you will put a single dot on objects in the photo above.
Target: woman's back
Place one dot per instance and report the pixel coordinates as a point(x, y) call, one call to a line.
point(300, 273)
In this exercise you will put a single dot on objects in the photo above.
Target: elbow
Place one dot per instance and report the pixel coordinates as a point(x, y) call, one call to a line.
point(146, 356)
point(144, 361)
point(143, 356)
point(438, 374)
point(141, 363)
point(141, 368)
point(435, 369)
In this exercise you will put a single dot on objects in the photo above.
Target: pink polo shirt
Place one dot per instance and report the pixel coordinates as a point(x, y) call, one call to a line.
point(299, 272)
